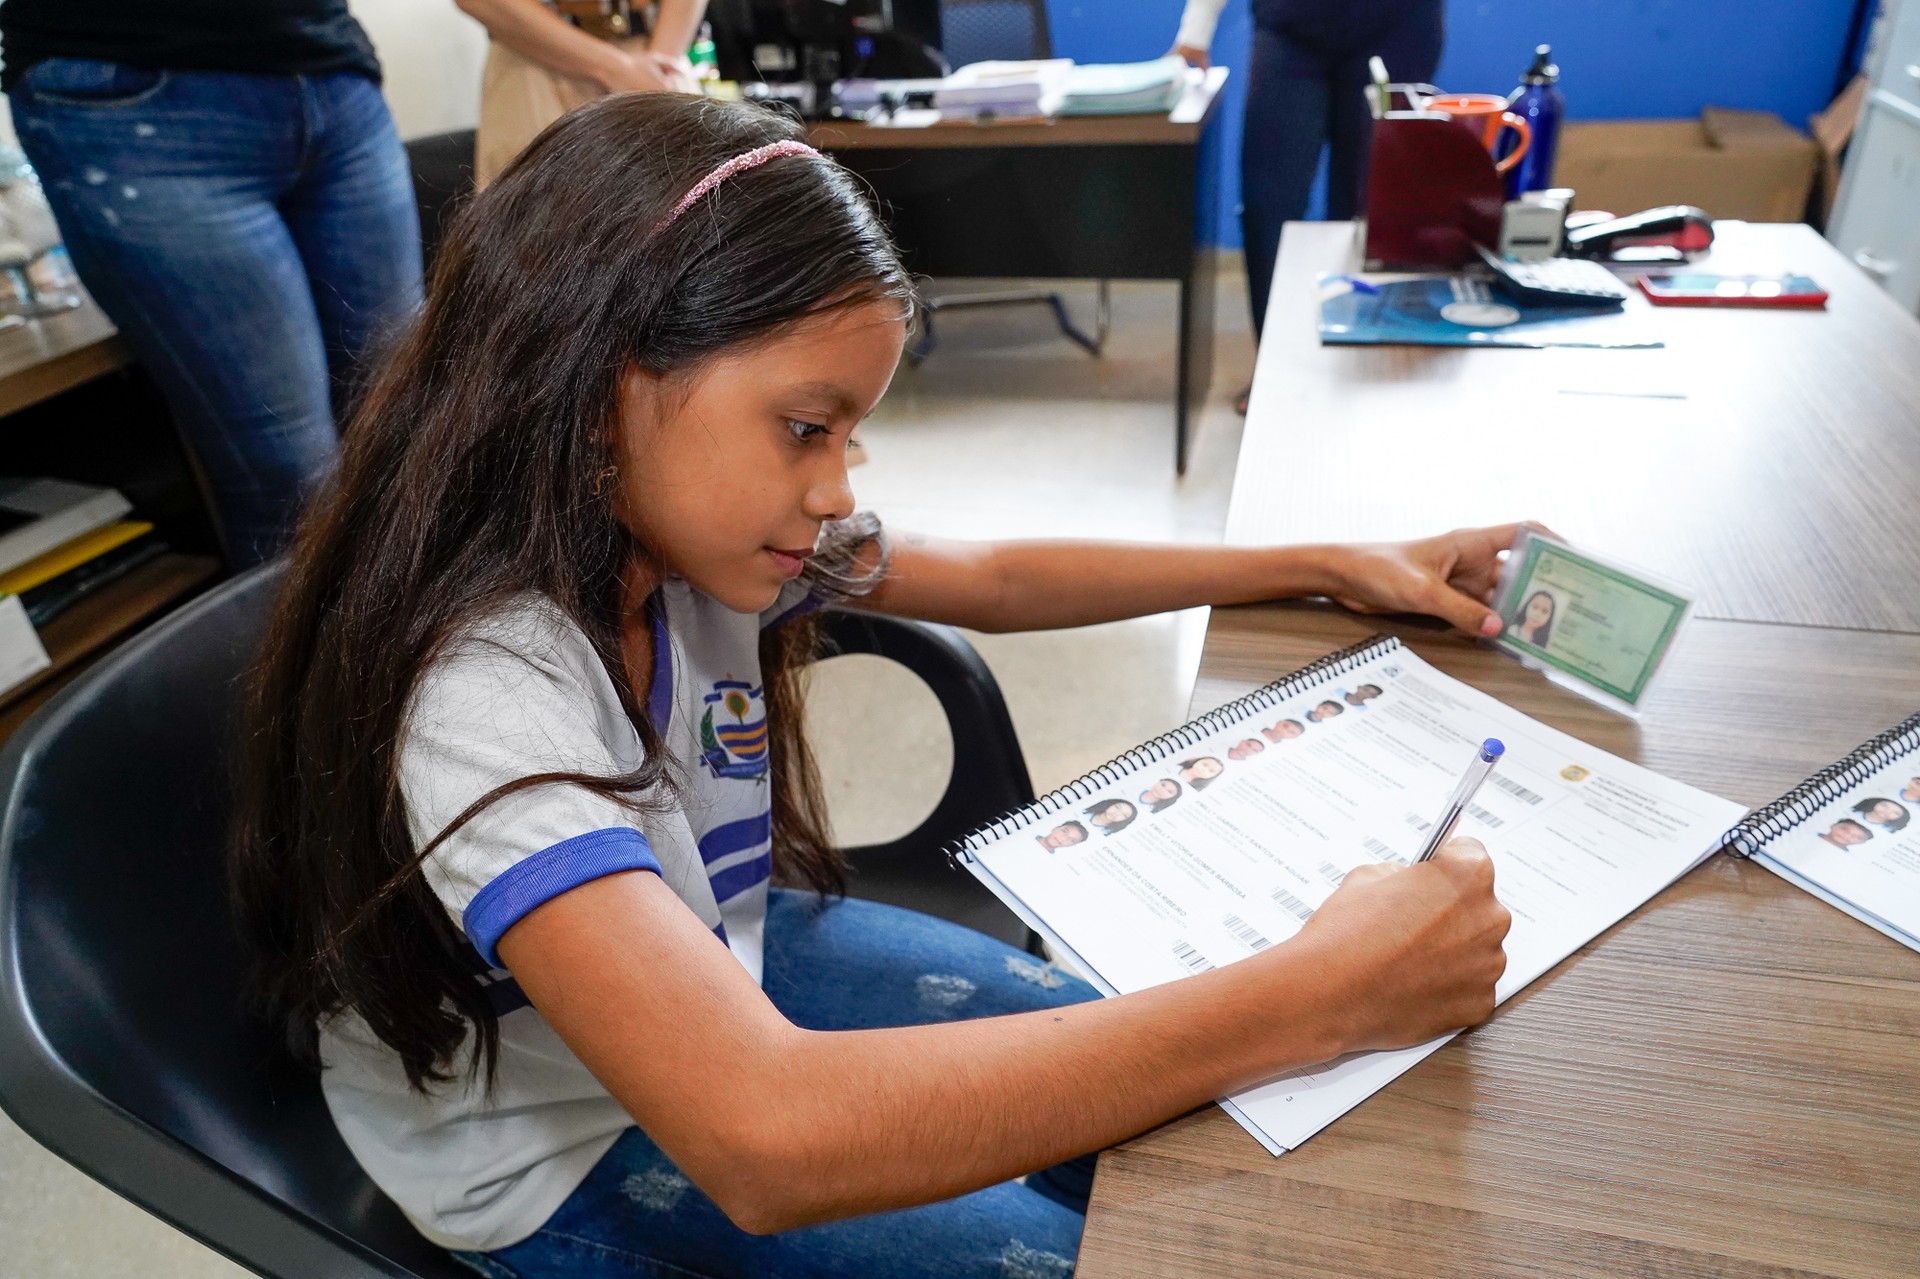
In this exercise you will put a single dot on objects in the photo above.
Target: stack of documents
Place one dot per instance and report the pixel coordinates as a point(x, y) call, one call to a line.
point(1004, 88)
point(1125, 88)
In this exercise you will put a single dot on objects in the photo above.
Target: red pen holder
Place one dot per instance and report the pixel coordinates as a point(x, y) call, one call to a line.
point(1432, 193)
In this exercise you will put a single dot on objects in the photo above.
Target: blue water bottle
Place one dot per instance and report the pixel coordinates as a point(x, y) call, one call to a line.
point(1539, 102)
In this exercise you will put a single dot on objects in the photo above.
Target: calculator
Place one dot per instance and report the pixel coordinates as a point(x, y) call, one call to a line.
point(1557, 281)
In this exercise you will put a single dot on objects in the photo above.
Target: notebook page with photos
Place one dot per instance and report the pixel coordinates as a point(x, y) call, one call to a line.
point(1220, 840)
point(1851, 834)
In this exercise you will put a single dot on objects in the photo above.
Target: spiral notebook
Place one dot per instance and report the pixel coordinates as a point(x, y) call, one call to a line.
point(1848, 834)
point(1220, 839)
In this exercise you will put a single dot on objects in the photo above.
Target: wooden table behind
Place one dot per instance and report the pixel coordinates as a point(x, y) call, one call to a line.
point(1723, 1084)
point(1769, 460)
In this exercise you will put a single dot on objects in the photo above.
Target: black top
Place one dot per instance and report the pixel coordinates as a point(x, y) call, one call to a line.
point(287, 37)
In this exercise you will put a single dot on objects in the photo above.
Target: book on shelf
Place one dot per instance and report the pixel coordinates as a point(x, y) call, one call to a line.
point(39, 515)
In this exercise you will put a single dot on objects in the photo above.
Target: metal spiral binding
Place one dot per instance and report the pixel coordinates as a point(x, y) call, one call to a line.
point(1267, 696)
point(1762, 825)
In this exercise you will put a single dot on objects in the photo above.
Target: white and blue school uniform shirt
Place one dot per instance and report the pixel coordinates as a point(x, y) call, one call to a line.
point(522, 691)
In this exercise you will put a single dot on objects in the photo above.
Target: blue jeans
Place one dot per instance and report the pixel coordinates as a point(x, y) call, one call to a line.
point(842, 965)
point(1305, 91)
point(250, 235)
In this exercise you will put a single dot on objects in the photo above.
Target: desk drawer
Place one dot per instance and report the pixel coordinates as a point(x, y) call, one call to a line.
point(1875, 225)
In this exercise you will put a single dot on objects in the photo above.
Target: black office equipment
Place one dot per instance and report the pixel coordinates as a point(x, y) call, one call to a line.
point(123, 1047)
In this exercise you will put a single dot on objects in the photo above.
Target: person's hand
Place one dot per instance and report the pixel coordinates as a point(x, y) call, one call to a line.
point(643, 71)
point(1193, 57)
point(675, 71)
point(631, 71)
point(1451, 577)
point(1416, 948)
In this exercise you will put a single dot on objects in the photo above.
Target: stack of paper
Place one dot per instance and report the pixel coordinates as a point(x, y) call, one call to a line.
point(1125, 88)
point(1004, 88)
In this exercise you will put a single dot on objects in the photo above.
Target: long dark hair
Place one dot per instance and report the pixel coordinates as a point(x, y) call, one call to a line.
point(471, 472)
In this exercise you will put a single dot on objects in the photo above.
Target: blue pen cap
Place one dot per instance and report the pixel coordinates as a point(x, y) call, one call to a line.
point(1491, 749)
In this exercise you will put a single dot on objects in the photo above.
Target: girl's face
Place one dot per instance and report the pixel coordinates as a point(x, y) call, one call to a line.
point(728, 471)
point(1241, 750)
point(1113, 814)
point(1885, 811)
point(1165, 788)
point(1539, 611)
point(1206, 768)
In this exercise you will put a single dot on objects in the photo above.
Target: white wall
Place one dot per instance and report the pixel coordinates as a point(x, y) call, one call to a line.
point(431, 54)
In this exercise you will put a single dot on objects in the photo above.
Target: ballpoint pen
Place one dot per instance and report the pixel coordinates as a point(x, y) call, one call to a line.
point(1490, 752)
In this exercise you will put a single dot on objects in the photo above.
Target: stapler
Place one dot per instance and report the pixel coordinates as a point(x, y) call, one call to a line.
point(1669, 233)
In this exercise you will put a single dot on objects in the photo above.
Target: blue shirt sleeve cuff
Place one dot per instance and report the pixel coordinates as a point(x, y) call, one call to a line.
point(534, 880)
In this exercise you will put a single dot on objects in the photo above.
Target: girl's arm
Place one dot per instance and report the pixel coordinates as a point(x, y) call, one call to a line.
point(783, 1127)
point(1024, 586)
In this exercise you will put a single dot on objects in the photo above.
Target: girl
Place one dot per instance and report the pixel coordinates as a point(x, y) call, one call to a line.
point(1535, 623)
point(1111, 816)
point(1161, 795)
point(525, 756)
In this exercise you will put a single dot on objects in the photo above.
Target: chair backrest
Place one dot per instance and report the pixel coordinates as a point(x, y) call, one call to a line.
point(122, 1047)
point(442, 165)
point(989, 30)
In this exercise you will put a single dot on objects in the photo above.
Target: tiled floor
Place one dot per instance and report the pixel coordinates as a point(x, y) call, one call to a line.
point(1007, 431)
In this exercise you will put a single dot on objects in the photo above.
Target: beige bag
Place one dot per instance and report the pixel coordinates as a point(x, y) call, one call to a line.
point(518, 98)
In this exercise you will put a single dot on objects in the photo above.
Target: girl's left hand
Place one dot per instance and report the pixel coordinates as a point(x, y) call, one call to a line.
point(1451, 577)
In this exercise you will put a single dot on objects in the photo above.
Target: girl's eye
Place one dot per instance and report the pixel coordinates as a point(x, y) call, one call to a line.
point(804, 431)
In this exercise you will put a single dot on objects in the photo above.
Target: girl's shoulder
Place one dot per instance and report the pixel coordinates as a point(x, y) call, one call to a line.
point(520, 640)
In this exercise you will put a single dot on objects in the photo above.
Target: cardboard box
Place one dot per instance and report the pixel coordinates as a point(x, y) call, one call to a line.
point(1733, 164)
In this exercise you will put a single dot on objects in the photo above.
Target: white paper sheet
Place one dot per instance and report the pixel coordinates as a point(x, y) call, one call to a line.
point(1579, 839)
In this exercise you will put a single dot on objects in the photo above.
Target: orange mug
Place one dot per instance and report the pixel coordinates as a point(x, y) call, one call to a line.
point(1490, 109)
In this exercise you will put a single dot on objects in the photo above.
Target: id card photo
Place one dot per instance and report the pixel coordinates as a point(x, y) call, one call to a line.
point(1598, 627)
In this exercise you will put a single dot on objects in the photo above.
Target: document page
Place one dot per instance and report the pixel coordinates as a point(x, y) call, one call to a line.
point(1219, 851)
point(1864, 850)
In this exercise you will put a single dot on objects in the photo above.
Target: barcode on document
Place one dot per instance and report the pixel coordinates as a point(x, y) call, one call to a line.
point(1292, 905)
point(1379, 849)
point(1333, 873)
point(1246, 932)
point(1193, 959)
point(1483, 815)
point(1419, 823)
point(1514, 789)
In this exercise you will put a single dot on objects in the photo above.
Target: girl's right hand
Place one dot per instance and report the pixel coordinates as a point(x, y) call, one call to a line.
point(1192, 56)
point(1413, 951)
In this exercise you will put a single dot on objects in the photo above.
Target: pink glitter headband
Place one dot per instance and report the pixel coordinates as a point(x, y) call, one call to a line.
point(739, 164)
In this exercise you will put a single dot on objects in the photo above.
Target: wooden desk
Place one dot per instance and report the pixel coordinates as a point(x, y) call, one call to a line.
point(1769, 460)
point(45, 357)
point(1723, 1084)
point(1088, 198)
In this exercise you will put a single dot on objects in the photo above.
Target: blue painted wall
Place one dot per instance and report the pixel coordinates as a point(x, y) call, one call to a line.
point(1620, 59)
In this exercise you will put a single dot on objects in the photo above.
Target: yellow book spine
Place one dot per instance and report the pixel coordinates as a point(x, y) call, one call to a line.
point(70, 555)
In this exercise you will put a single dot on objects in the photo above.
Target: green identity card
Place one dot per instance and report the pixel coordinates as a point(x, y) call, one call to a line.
point(1599, 628)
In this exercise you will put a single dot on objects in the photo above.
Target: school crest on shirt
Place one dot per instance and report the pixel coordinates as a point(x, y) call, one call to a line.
point(733, 732)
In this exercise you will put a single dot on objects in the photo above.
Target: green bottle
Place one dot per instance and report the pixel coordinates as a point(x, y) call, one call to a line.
point(706, 64)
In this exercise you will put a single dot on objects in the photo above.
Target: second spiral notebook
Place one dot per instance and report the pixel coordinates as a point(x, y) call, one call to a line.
point(1220, 839)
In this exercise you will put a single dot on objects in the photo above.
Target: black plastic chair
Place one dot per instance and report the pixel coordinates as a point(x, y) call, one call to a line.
point(122, 1045)
point(442, 165)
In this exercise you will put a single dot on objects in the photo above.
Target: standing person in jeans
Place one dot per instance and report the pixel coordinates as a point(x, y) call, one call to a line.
point(1305, 91)
point(233, 194)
